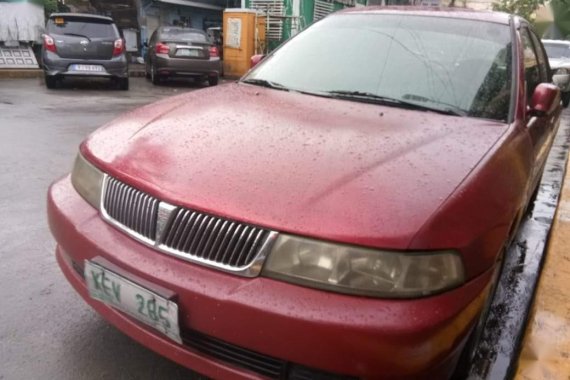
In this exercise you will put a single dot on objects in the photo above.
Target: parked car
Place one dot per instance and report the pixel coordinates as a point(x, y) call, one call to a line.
point(337, 213)
point(558, 52)
point(83, 45)
point(182, 52)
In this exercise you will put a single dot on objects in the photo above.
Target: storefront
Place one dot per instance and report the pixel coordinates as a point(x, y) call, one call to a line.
point(138, 19)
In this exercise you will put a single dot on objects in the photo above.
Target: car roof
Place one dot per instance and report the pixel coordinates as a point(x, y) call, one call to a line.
point(449, 12)
point(556, 42)
point(82, 15)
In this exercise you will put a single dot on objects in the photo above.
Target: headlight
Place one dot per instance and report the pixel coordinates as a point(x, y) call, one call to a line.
point(87, 180)
point(362, 271)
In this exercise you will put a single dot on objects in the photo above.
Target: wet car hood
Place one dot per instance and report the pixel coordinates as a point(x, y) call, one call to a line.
point(333, 169)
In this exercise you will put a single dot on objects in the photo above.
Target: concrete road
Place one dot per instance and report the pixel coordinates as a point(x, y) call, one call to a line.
point(46, 330)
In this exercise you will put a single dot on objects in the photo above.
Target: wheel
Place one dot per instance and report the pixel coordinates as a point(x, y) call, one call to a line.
point(213, 81)
point(154, 78)
point(123, 84)
point(51, 82)
point(468, 353)
point(565, 99)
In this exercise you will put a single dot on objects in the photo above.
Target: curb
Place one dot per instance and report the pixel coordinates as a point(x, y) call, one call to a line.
point(20, 73)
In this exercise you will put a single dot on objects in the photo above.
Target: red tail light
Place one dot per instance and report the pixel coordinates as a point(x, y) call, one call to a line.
point(162, 48)
point(214, 51)
point(119, 47)
point(49, 43)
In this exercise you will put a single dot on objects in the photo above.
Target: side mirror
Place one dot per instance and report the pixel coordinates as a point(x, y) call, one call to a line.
point(545, 100)
point(145, 44)
point(256, 59)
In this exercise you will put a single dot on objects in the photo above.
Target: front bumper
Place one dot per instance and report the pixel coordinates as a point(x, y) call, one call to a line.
point(355, 336)
point(54, 65)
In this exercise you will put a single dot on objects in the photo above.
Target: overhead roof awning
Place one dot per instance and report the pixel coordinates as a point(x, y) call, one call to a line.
point(195, 4)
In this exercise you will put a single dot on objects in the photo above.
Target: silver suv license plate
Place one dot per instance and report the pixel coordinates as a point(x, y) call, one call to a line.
point(88, 68)
point(133, 299)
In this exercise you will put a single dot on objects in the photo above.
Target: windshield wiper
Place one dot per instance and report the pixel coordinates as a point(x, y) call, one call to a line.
point(379, 99)
point(266, 83)
point(449, 109)
point(77, 35)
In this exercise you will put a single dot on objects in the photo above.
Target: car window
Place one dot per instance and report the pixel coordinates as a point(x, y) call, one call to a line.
point(531, 67)
point(542, 59)
point(74, 26)
point(177, 34)
point(444, 63)
point(557, 50)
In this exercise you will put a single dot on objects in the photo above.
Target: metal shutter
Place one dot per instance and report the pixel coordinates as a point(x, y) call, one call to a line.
point(274, 10)
point(322, 9)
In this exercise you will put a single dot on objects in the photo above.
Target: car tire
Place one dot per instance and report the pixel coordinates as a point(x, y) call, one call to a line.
point(468, 353)
point(154, 78)
point(566, 99)
point(213, 81)
point(51, 82)
point(124, 84)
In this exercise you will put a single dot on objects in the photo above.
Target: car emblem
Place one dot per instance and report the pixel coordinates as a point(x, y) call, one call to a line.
point(84, 42)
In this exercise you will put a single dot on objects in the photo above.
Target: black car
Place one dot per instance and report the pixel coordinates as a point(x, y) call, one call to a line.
point(84, 45)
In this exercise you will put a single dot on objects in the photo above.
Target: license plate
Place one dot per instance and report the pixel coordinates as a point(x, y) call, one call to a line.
point(194, 53)
point(133, 299)
point(88, 68)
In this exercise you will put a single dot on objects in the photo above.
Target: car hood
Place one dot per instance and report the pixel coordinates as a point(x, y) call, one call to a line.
point(332, 169)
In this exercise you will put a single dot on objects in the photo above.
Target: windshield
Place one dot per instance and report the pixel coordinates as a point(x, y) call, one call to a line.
point(557, 50)
point(439, 63)
point(173, 34)
point(82, 28)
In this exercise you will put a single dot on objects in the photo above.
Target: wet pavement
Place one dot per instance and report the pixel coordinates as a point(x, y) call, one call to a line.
point(497, 354)
point(545, 352)
point(46, 330)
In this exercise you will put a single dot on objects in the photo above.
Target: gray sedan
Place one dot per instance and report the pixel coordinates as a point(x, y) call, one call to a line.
point(182, 52)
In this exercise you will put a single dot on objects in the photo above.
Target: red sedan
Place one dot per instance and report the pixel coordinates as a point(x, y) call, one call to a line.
point(340, 212)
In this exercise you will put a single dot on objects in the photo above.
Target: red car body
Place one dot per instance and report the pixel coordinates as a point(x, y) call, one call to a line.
point(334, 170)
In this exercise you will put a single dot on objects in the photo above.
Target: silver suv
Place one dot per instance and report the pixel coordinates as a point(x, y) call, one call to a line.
point(83, 45)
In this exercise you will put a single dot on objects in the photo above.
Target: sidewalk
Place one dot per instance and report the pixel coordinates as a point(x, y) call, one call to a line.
point(545, 352)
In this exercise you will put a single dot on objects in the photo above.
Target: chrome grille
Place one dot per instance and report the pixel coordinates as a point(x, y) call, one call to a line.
point(228, 245)
point(131, 208)
point(214, 239)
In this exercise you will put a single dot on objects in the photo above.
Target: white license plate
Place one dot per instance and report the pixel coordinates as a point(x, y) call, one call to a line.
point(192, 53)
point(89, 68)
point(133, 299)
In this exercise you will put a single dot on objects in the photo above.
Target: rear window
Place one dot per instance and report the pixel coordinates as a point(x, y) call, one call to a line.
point(177, 34)
point(90, 28)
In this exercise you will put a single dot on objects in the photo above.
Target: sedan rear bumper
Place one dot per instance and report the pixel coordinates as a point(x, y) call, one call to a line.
point(167, 66)
point(297, 326)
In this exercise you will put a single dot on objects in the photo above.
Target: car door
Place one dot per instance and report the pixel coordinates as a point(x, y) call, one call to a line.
point(540, 128)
